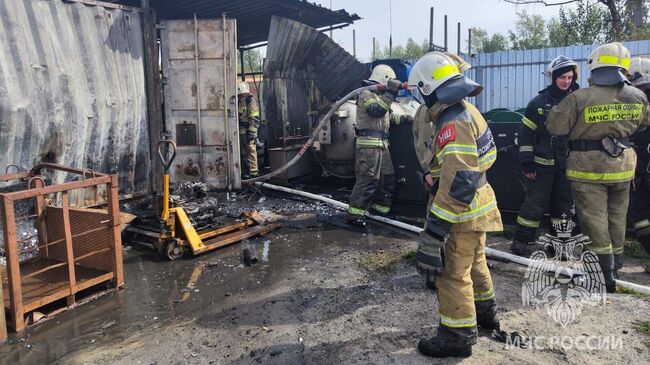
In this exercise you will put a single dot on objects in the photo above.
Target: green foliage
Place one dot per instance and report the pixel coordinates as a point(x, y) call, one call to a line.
point(530, 32)
point(252, 61)
point(583, 25)
point(482, 43)
point(411, 51)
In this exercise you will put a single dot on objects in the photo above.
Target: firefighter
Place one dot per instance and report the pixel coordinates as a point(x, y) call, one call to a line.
point(373, 166)
point(599, 121)
point(639, 76)
point(249, 122)
point(452, 244)
point(543, 159)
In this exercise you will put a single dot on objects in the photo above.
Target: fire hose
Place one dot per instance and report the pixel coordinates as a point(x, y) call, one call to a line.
point(489, 252)
point(310, 142)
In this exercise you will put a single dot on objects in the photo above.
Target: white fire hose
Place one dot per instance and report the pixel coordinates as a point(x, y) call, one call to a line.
point(490, 252)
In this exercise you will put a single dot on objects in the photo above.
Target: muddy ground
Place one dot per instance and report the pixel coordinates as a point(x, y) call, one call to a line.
point(322, 293)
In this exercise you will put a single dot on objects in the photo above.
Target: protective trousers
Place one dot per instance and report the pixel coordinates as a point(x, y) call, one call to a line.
point(465, 284)
point(602, 212)
point(549, 192)
point(375, 181)
point(248, 149)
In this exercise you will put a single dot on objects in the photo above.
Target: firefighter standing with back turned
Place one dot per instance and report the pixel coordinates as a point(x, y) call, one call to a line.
point(599, 121)
point(452, 244)
point(639, 76)
point(249, 122)
point(543, 159)
point(373, 166)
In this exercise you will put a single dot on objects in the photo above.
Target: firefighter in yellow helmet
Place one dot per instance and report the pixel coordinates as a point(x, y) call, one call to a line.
point(249, 122)
point(452, 244)
point(599, 121)
point(639, 76)
point(373, 166)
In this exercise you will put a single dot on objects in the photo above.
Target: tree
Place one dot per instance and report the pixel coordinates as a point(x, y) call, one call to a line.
point(583, 25)
point(613, 7)
point(530, 32)
point(635, 20)
point(252, 61)
point(411, 51)
point(482, 43)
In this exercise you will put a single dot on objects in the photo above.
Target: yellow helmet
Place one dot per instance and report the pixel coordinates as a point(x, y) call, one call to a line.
point(432, 70)
point(609, 55)
point(242, 88)
point(381, 74)
point(639, 72)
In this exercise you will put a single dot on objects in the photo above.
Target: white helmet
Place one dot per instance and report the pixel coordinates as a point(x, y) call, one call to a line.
point(609, 55)
point(242, 88)
point(432, 70)
point(639, 73)
point(381, 74)
point(558, 63)
point(461, 63)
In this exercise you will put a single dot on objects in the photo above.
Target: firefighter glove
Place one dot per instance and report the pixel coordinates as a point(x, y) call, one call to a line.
point(429, 257)
point(528, 167)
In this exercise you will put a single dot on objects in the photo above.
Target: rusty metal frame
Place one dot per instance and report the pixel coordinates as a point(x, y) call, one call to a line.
point(17, 307)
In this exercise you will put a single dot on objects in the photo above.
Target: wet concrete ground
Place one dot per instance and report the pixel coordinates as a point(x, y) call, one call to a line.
point(309, 300)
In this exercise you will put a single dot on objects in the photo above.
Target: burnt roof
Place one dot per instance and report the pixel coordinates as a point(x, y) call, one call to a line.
point(253, 16)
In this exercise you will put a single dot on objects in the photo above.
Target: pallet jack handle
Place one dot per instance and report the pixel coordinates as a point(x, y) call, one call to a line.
point(164, 147)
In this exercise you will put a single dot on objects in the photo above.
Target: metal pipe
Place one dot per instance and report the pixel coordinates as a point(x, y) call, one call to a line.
point(354, 43)
point(445, 33)
point(198, 94)
point(225, 104)
point(490, 252)
point(469, 42)
point(241, 64)
point(458, 40)
point(431, 28)
point(373, 48)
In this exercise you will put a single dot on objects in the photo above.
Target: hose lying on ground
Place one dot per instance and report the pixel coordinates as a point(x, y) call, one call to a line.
point(490, 252)
point(309, 142)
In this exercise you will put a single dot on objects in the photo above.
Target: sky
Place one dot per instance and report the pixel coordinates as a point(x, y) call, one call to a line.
point(410, 18)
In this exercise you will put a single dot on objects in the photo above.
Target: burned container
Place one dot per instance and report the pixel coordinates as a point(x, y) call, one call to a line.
point(199, 60)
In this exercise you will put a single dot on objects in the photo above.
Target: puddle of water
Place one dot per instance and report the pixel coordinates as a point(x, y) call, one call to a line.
point(160, 293)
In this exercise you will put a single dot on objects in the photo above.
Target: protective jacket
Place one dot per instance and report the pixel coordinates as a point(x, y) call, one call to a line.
point(374, 119)
point(423, 137)
point(463, 150)
point(536, 144)
point(249, 115)
point(589, 115)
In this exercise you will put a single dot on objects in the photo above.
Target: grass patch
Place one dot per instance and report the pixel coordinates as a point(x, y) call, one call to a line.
point(386, 260)
point(633, 248)
point(643, 327)
point(409, 256)
point(623, 290)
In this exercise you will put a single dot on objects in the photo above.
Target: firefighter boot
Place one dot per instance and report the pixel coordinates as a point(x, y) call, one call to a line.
point(449, 342)
point(522, 248)
point(486, 314)
point(618, 264)
point(607, 266)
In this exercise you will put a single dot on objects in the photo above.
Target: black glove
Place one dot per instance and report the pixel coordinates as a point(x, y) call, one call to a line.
point(405, 119)
point(528, 167)
point(394, 86)
point(429, 257)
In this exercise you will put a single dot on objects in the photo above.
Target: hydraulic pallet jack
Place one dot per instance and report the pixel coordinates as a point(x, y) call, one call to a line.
point(178, 236)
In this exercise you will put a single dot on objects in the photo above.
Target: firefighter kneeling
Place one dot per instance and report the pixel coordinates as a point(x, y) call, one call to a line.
point(452, 245)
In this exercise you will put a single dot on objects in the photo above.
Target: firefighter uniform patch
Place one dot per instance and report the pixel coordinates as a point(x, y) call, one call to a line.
point(446, 135)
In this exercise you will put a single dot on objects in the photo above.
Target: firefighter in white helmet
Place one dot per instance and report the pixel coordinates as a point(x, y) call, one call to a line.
point(373, 166)
point(249, 122)
point(452, 244)
point(543, 159)
point(599, 121)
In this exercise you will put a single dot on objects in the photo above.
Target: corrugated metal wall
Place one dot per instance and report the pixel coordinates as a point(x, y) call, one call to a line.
point(72, 89)
point(512, 78)
point(304, 70)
